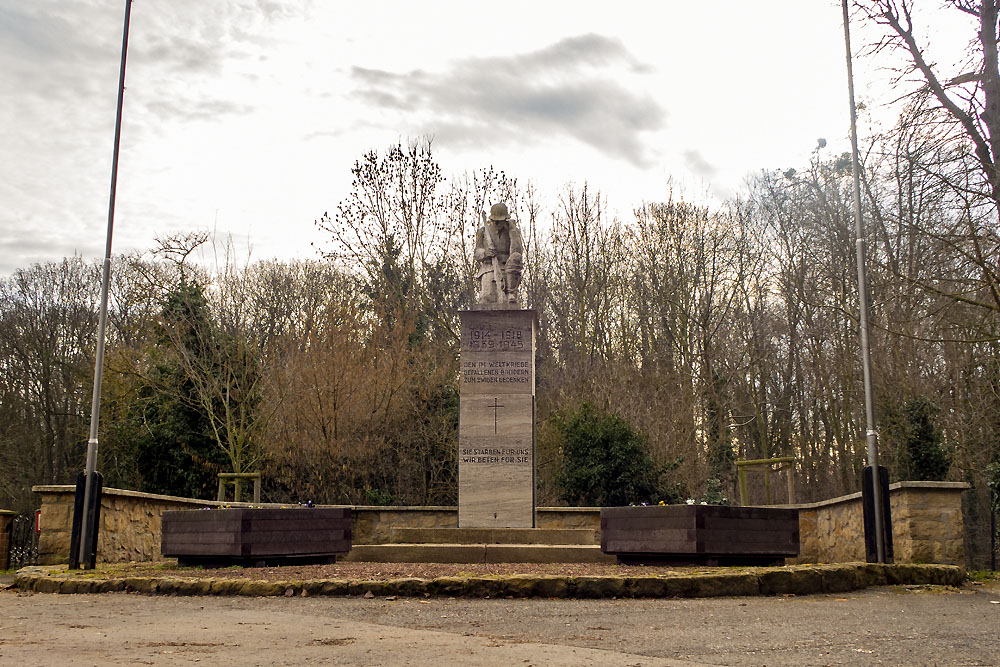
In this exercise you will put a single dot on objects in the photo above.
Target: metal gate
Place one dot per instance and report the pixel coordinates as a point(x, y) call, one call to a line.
point(23, 541)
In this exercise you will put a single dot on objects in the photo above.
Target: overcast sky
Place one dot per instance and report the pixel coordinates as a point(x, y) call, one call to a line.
point(245, 116)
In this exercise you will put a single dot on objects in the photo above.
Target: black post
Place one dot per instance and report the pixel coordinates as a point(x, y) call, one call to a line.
point(74, 540)
point(868, 496)
point(87, 554)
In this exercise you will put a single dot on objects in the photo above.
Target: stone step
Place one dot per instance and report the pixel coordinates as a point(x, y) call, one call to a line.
point(477, 553)
point(550, 536)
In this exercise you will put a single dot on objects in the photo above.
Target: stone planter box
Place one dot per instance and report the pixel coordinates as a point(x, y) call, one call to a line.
point(703, 534)
point(256, 536)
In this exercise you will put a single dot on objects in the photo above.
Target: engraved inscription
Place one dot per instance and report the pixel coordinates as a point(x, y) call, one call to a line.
point(487, 338)
point(494, 455)
point(496, 372)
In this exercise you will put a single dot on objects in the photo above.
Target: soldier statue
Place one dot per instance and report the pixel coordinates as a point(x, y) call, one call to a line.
point(500, 254)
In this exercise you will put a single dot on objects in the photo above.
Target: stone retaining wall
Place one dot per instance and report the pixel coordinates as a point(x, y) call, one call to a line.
point(130, 522)
point(927, 523)
point(793, 580)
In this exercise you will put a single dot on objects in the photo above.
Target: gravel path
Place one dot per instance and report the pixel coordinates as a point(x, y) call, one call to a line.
point(918, 625)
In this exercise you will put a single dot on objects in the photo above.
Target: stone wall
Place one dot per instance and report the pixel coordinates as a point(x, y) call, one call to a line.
point(927, 525)
point(927, 521)
point(926, 518)
point(130, 522)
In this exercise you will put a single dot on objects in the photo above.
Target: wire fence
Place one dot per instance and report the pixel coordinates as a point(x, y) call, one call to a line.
point(981, 530)
point(23, 541)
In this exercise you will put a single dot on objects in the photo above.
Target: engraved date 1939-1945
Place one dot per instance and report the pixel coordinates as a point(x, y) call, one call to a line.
point(485, 338)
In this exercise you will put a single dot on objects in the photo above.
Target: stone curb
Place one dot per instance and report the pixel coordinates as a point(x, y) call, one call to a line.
point(794, 580)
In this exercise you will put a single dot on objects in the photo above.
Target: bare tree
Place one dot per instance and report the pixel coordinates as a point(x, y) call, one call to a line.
point(47, 324)
point(964, 108)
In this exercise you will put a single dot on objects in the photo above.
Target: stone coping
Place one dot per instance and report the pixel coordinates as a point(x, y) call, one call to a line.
point(895, 486)
point(69, 488)
point(109, 491)
point(724, 582)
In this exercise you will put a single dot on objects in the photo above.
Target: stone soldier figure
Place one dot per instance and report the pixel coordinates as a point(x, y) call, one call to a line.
point(500, 253)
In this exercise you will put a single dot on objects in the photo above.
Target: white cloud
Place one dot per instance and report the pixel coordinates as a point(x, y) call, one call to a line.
point(248, 114)
point(572, 88)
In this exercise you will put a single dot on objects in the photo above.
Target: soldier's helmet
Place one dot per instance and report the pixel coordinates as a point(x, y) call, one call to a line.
point(499, 212)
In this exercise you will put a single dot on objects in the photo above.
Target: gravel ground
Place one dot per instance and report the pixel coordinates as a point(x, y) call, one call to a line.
point(920, 625)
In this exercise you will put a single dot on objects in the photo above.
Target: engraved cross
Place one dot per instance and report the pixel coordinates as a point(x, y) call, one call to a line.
point(496, 406)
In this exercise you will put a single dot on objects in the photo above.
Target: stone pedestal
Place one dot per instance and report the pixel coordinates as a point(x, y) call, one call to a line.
point(496, 432)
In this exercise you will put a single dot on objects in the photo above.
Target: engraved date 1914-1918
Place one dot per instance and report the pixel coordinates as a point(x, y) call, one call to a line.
point(485, 338)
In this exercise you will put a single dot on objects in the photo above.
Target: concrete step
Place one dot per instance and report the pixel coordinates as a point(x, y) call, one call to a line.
point(478, 553)
point(550, 536)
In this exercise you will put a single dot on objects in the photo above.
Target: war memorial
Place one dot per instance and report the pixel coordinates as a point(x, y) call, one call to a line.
point(496, 445)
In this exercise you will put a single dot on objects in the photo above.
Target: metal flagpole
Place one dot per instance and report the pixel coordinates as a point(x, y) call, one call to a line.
point(95, 406)
point(866, 361)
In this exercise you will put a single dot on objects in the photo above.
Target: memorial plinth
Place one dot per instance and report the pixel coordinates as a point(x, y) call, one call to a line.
point(496, 431)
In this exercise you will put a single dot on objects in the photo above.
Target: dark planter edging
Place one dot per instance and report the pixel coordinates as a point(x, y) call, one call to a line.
point(710, 534)
point(793, 580)
point(264, 535)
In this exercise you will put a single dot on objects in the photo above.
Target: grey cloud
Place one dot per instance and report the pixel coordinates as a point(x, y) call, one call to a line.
point(464, 135)
point(46, 56)
point(23, 247)
point(273, 9)
point(386, 100)
point(572, 52)
point(196, 110)
point(182, 53)
point(25, 243)
point(377, 76)
point(195, 42)
point(32, 34)
point(565, 88)
point(698, 164)
point(60, 71)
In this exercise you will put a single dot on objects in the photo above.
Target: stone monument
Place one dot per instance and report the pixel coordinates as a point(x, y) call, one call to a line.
point(500, 254)
point(496, 434)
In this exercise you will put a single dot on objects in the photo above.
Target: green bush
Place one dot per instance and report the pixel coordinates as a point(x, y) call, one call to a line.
point(993, 481)
point(606, 462)
point(924, 455)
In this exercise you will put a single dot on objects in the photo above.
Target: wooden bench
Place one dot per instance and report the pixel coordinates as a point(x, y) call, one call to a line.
point(700, 534)
point(256, 536)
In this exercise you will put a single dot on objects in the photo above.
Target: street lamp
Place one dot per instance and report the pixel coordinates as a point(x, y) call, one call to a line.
point(87, 547)
point(866, 361)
